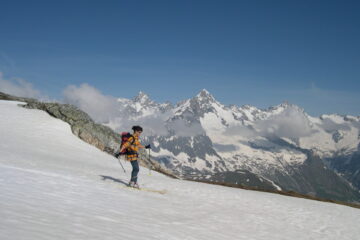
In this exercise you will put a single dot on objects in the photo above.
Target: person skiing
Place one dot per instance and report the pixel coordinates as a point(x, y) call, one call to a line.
point(132, 146)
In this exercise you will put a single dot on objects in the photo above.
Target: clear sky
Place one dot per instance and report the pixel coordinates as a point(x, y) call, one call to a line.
point(243, 52)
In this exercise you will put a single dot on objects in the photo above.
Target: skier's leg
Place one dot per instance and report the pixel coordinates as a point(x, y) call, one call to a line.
point(135, 171)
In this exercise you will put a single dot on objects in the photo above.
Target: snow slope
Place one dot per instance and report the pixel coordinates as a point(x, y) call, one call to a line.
point(54, 186)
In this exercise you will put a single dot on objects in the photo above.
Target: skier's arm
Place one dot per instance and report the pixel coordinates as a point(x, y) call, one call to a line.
point(147, 146)
point(138, 144)
point(125, 146)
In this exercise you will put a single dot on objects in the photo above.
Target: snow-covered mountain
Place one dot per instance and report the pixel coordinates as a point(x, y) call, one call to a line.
point(55, 186)
point(204, 139)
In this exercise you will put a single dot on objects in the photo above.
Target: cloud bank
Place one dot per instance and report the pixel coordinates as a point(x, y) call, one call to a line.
point(291, 123)
point(152, 124)
point(183, 129)
point(20, 88)
point(101, 108)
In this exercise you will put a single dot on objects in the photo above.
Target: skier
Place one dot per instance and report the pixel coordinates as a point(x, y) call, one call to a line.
point(132, 146)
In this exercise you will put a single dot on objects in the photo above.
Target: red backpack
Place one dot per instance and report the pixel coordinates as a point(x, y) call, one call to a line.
point(124, 138)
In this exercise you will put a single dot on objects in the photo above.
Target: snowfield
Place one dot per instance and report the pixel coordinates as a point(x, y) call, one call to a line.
point(55, 186)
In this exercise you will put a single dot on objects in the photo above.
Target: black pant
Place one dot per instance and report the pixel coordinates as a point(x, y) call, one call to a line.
point(135, 171)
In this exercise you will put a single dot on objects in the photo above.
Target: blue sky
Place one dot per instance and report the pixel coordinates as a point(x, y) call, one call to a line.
point(243, 52)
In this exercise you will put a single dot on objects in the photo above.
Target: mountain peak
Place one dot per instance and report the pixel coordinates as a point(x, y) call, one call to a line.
point(283, 106)
point(142, 97)
point(204, 91)
point(142, 94)
point(205, 95)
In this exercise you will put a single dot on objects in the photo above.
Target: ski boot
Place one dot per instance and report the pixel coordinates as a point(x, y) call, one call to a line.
point(133, 184)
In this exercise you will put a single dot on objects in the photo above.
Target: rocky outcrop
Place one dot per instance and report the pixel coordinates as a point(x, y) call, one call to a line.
point(100, 136)
point(82, 125)
point(4, 96)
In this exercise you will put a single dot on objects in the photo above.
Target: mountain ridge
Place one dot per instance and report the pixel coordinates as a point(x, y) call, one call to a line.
point(265, 142)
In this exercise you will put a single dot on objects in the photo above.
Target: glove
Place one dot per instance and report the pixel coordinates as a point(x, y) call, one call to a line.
point(117, 154)
point(148, 146)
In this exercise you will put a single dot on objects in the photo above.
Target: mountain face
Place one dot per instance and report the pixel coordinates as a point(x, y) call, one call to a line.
point(281, 147)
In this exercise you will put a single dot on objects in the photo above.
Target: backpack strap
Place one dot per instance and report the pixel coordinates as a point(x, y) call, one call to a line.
point(128, 152)
point(132, 142)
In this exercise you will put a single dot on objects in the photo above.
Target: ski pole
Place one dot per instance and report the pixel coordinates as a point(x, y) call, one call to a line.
point(121, 165)
point(150, 164)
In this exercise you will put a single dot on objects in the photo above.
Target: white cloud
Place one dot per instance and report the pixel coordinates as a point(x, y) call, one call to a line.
point(183, 129)
point(291, 123)
point(20, 88)
point(152, 124)
point(100, 107)
point(331, 126)
point(240, 130)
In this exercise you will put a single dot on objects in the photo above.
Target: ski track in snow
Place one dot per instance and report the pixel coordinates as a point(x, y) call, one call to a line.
point(54, 186)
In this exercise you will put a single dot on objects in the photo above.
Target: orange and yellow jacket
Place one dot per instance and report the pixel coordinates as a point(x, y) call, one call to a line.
point(132, 146)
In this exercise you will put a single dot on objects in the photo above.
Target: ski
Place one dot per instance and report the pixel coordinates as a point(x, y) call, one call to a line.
point(146, 189)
